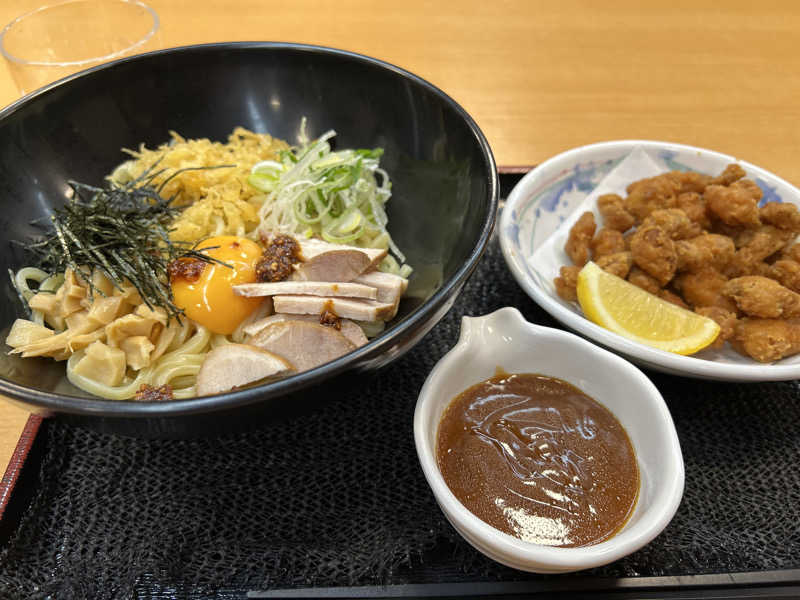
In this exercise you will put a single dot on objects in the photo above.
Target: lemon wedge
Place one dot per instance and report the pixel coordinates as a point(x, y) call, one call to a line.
point(638, 315)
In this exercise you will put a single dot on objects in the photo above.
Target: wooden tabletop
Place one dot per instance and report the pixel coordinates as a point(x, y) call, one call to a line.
point(541, 77)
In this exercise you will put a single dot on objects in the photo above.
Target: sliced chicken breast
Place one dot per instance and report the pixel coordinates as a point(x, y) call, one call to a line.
point(352, 331)
point(235, 365)
point(312, 247)
point(336, 265)
point(390, 287)
point(305, 345)
point(307, 288)
point(334, 262)
point(348, 308)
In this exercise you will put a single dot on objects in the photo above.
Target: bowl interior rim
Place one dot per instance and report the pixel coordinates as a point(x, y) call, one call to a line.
point(127, 408)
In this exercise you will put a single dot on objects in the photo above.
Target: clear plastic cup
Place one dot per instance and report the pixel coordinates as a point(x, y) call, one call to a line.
point(56, 40)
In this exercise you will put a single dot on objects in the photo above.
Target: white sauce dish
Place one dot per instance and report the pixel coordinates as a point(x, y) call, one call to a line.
point(506, 340)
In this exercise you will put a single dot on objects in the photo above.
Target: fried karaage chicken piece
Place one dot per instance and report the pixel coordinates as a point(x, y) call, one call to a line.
point(674, 222)
point(792, 253)
point(704, 288)
point(694, 205)
point(612, 209)
point(567, 283)
point(607, 241)
point(618, 264)
point(653, 193)
point(627, 238)
point(726, 320)
point(758, 296)
point(692, 257)
point(722, 248)
point(735, 205)
point(767, 340)
point(764, 240)
point(706, 250)
point(732, 173)
point(755, 246)
point(787, 272)
point(782, 215)
point(641, 279)
point(724, 230)
point(580, 236)
point(690, 181)
point(654, 252)
point(763, 269)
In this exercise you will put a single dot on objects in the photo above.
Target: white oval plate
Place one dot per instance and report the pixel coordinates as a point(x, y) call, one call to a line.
point(536, 220)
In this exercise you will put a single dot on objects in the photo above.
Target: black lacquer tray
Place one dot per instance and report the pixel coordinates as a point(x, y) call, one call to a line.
point(333, 503)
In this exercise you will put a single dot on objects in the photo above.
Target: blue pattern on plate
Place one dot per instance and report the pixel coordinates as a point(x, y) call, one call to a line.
point(581, 179)
point(668, 158)
point(513, 229)
point(770, 193)
point(551, 202)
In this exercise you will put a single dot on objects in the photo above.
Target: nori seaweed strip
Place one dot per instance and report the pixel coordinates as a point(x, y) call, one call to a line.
point(123, 232)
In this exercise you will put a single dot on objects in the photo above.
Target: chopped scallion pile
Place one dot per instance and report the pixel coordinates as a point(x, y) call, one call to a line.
point(339, 196)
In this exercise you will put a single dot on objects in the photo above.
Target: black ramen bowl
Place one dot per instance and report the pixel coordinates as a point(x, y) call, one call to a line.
point(441, 213)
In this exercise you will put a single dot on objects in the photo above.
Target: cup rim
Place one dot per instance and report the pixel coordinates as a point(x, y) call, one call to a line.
point(83, 62)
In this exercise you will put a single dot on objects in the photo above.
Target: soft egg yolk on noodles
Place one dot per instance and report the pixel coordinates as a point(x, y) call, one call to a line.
point(209, 299)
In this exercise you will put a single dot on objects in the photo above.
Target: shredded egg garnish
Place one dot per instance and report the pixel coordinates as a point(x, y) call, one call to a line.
point(210, 299)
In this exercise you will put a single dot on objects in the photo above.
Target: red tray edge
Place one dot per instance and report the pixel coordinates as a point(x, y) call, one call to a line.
point(17, 461)
point(513, 170)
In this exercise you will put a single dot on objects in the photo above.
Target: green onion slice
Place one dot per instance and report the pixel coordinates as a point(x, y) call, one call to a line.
point(339, 196)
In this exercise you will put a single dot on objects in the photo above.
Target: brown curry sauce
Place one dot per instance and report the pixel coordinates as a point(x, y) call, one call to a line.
point(535, 457)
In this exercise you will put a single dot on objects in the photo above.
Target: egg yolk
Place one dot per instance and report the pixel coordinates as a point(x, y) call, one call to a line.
point(209, 299)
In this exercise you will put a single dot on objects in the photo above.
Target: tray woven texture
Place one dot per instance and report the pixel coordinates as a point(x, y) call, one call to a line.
point(337, 498)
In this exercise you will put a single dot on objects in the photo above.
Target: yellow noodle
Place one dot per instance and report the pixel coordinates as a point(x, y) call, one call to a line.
point(219, 340)
point(26, 274)
point(184, 382)
point(176, 362)
point(164, 376)
point(183, 334)
point(196, 344)
point(184, 393)
point(46, 283)
point(124, 391)
point(264, 310)
point(178, 367)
